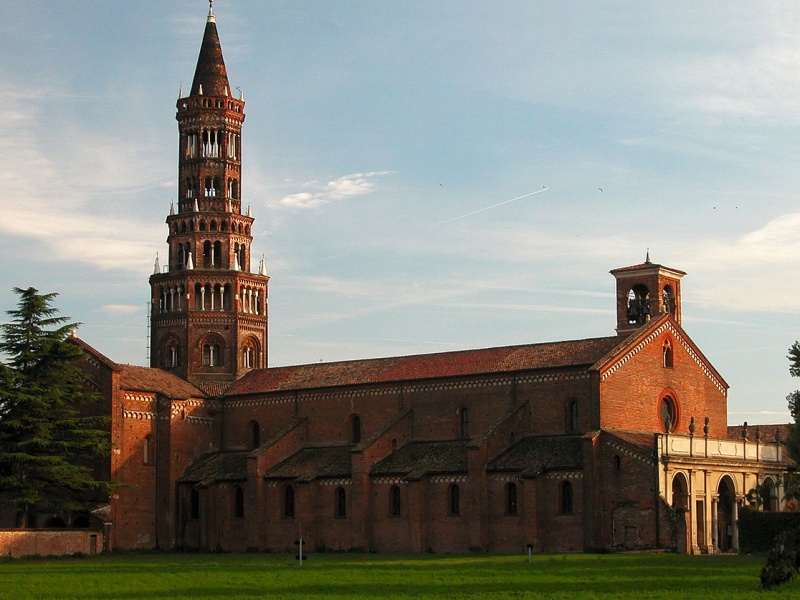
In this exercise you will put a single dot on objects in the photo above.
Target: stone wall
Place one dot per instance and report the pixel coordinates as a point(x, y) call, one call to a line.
point(50, 542)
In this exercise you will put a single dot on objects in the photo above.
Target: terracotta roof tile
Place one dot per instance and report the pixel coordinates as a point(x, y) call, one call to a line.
point(147, 379)
point(418, 459)
point(534, 455)
point(551, 355)
point(312, 463)
point(767, 432)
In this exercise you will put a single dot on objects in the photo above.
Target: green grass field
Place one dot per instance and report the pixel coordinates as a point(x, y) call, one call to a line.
point(136, 576)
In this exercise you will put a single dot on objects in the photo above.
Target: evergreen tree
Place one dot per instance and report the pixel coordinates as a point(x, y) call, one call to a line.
point(49, 435)
point(793, 443)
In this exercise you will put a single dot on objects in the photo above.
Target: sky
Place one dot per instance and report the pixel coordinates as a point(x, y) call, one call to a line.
point(425, 176)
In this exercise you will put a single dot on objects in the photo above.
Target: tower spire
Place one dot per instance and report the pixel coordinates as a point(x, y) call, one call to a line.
point(210, 75)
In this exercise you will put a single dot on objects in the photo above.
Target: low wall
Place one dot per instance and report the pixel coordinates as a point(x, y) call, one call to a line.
point(49, 542)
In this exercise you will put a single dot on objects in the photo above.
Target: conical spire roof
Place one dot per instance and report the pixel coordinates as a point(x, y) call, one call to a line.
point(210, 76)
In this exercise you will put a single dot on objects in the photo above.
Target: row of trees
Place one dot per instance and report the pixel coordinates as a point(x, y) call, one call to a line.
point(48, 440)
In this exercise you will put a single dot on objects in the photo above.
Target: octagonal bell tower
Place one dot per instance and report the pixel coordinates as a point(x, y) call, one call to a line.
point(209, 311)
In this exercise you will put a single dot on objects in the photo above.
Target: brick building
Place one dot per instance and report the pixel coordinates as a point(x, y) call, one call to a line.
point(607, 443)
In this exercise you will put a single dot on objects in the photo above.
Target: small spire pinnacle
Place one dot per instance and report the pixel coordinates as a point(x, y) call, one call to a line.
point(249, 214)
point(171, 207)
point(190, 263)
point(196, 206)
point(647, 260)
point(262, 266)
point(211, 18)
point(156, 266)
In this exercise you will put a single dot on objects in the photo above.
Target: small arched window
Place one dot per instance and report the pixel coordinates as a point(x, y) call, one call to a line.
point(454, 500)
point(667, 354)
point(355, 429)
point(194, 504)
point(566, 498)
point(288, 502)
point(394, 501)
point(255, 435)
point(572, 416)
point(212, 355)
point(463, 422)
point(238, 503)
point(340, 503)
point(511, 498)
point(149, 450)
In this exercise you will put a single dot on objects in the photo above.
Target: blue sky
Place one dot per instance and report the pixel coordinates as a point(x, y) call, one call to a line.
point(378, 136)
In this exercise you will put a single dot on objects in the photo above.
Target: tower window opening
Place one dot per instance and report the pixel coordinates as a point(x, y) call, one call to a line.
point(638, 305)
point(255, 435)
point(217, 256)
point(149, 450)
point(212, 356)
point(668, 299)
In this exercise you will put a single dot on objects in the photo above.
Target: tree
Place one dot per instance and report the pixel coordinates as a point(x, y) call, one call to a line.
point(48, 438)
point(793, 441)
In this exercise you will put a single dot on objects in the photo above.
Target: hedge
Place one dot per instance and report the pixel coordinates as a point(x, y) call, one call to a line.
point(759, 530)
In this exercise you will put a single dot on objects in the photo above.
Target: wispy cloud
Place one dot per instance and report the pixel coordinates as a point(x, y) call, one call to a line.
point(347, 186)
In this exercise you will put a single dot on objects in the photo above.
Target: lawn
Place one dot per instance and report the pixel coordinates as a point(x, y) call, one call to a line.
point(637, 576)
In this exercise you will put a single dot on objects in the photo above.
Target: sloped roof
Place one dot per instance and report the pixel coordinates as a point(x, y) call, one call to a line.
point(219, 466)
point(767, 432)
point(313, 463)
point(534, 455)
point(642, 441)
point(148, 379)
point(550, 355)
point(418, 459)
point(94, 352)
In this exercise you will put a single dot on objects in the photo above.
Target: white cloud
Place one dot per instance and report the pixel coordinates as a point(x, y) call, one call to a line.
point(347, 186)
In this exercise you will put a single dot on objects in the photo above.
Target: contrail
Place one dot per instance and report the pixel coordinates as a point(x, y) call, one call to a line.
point(480, 210)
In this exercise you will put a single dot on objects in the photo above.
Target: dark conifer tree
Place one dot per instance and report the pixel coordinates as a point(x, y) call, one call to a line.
point(50, 437)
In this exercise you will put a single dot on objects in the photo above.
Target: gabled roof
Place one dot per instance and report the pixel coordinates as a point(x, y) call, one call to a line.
point(552, 355)
point(312, 463)
point(639, 338)
point(216, 467)
point(418, 459)
point(94, 353)
point(148, 379)
point(534, 455)
point(643, 442)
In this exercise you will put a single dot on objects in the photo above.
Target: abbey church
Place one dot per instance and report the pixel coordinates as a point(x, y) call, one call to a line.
point(611, 443)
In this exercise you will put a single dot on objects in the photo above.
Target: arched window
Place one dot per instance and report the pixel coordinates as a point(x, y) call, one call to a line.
point(255, 435)
point(394, 501)
point(770, 495)
point(511, 498)
point(149, 450)
point(617, 463)
point(340, 503)
point(572, 416)
point(668, 299)
point(288, 502)
point(638, 305)
point(680, 492)
point(238, 503)
point(463, 422)
point(668, 414)
point(566, 498)
point(171, 354)
point(667, 354)
point(212, 355)
point(194, 504)
point(454, 501)
point(355, 429)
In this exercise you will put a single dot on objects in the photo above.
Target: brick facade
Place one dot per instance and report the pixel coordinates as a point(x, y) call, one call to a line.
point(564, 447)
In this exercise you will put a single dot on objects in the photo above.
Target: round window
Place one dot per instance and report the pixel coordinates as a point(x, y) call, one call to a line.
point(668, 413)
